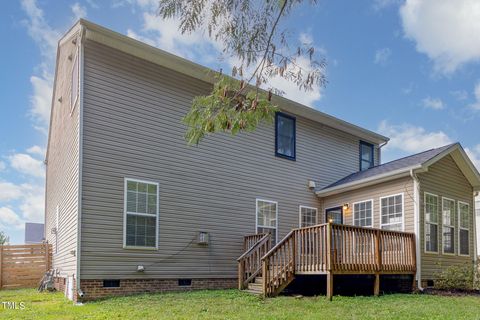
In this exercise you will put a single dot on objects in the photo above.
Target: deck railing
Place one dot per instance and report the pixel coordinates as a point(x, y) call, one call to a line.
point(337, 249)
point(250, 263)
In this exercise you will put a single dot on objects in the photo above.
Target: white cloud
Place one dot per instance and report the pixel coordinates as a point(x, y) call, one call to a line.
point(3, 166)
point(460, 95)
point(382, 56)
point(412, 139)
point(433, 103)
point(291, 90)
point(28, 165)
point(474, 155)
point(33, 206)
point(9, 219)
point(446, 31)
point(10, 191)
point(476, 92)
point(78, 11)
point(46, 39)
point(41, 99)
point(382, 4)
point(37, 150)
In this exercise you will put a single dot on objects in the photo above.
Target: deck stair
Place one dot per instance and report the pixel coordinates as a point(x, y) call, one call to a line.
point(327, 249)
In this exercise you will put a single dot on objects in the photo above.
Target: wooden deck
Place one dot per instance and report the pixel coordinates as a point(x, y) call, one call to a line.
point(328, 249)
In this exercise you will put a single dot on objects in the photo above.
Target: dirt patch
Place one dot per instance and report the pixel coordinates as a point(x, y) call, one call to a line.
point(451, 293)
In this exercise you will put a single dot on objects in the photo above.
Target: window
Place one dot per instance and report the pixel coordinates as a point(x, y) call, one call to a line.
point(463, 228)
point(362, 214)
point(141, 213)
point(431, 222)
point(284, 136)
point(74, 83)
point(448, 219)
point(366, 155)
point(308, 216)
point(267, 218)
point(391, 209)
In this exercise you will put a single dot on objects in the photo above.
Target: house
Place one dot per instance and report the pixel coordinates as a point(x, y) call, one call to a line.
point(477, 210)
point(131, 208)
point(34, 232)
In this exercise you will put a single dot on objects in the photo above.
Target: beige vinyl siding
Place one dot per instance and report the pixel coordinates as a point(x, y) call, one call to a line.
point(375, 192)
point(132, 128)
point(444, 179)
point(62, 169)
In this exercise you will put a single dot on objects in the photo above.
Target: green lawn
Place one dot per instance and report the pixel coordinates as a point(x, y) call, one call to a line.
point(232, 304)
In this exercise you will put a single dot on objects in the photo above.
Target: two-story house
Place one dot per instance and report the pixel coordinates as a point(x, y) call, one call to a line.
point(130, 207)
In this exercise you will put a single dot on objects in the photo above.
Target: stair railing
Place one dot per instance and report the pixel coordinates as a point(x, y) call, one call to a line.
point(249, 263)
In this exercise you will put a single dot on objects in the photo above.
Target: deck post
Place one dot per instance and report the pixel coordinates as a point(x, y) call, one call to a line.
point(376, 286)
point(264, 277)
point(329, 263)
point(241, 272)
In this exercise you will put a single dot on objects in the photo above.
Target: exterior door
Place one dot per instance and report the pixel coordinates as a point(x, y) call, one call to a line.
point(334, 215)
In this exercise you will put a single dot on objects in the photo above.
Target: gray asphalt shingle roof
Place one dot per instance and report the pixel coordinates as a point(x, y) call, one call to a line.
point(416, 159)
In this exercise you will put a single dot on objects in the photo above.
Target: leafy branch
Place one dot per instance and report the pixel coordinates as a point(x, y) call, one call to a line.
point(250, 34)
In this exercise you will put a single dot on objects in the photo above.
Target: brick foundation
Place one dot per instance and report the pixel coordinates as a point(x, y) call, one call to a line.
point(93, 289)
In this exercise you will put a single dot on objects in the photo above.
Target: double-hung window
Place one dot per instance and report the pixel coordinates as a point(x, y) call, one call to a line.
point(391, 212)
point(463, 228)
point(448, 221)
point(431, 222)
point(141, 214)
point(362, 214)
point(285, 136)
point(366, 156)
point(267, 218)
point(308, 216)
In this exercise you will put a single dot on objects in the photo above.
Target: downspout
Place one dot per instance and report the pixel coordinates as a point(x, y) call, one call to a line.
point(416, 214)
point(80, 159)
point(380, 152)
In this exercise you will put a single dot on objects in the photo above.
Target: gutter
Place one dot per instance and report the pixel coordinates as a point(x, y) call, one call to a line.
point(80, 156)
point(416, 214)
point(368, 181)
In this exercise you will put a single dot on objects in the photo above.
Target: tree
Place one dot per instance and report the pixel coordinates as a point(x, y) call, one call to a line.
point(4, 239)
point(250, 34)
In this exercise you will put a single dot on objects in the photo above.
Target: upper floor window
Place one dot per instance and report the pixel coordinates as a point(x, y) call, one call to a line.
point(366, 155)
point(308, 216)
point(391, 212)
point(141, 213)
point(284, 136)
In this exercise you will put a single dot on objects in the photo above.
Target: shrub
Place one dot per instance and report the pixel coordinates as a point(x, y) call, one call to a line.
point(458, 277)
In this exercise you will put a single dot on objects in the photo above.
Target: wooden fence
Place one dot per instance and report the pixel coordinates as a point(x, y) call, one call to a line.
point(22, 266)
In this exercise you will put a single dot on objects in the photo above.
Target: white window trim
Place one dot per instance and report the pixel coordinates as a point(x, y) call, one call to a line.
point(460, 228)
point(453, 225)
point(403, 210)
point(276, 215)
point(439, 242)
point(72, 106)
point(300, 214)
point(354, 215)
point(139, 214)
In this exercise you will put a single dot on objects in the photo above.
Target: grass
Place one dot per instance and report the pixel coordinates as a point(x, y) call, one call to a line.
point(232, 304)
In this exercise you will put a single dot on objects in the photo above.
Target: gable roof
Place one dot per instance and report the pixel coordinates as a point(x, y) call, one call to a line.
point(144, 51)
point(403, 167)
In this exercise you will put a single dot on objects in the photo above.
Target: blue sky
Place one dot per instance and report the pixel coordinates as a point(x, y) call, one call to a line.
point(407, 69)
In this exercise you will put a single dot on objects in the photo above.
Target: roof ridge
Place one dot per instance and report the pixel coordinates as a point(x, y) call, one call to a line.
point(415, 154)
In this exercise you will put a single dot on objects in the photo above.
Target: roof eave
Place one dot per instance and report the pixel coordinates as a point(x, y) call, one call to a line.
point(404, 172)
